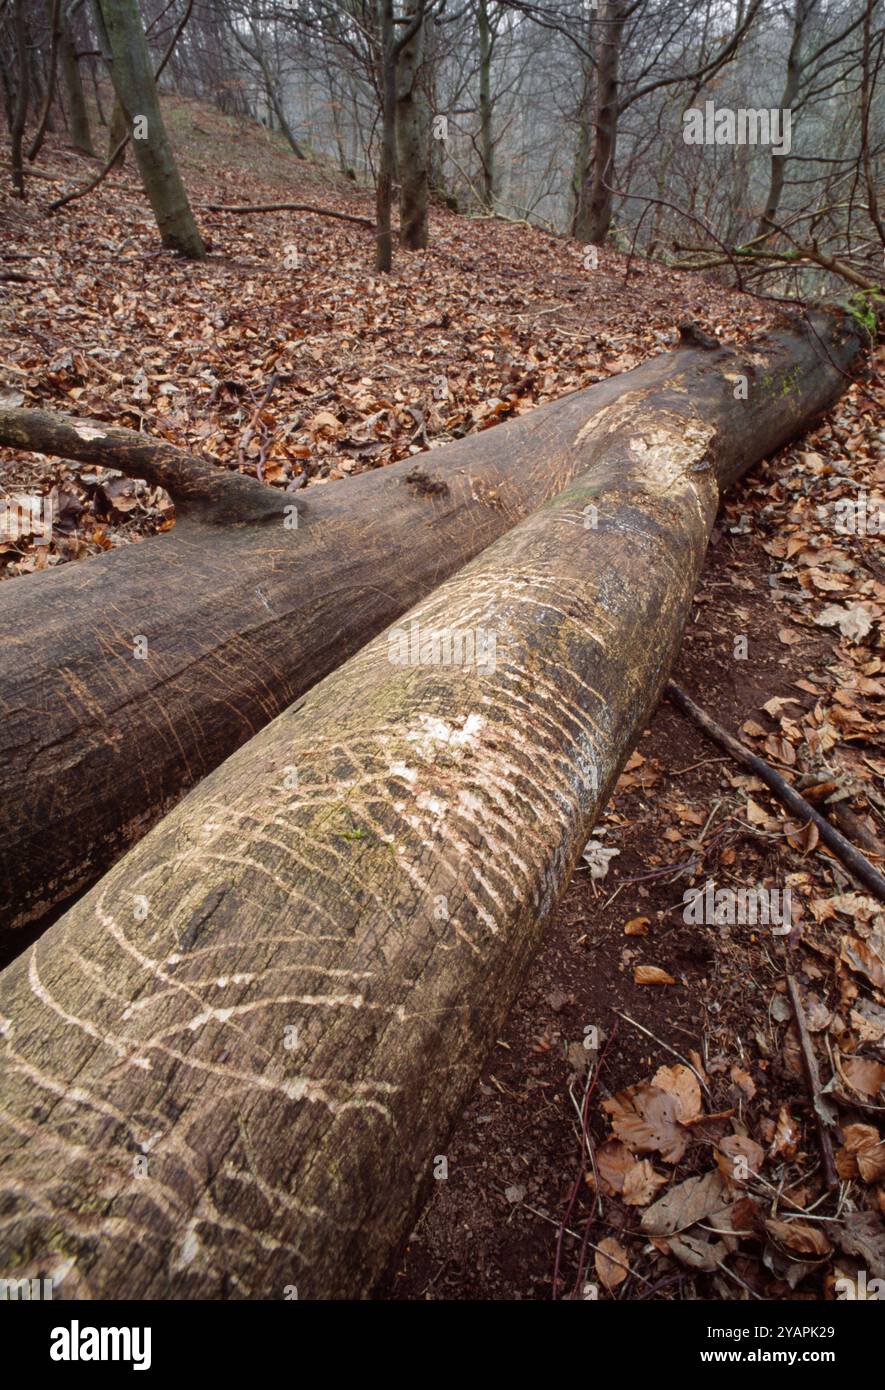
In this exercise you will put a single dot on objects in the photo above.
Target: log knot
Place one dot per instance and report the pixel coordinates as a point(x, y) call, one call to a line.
point(692, 335)
point(424, 484)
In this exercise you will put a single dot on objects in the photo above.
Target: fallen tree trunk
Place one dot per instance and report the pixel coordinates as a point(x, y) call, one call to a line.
point(236, 621)
point(232, 1067)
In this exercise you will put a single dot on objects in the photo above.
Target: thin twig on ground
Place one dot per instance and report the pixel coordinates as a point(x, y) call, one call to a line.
point(812, 1076)
point(292, 207)
point(857, 864)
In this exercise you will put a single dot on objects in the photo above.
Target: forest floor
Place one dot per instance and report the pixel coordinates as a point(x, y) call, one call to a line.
point(284, 355)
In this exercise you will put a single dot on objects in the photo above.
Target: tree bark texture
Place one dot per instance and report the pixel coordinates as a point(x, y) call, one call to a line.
point(412, 133)
point(583, 173)
point(247, 602)
point(122, 35)
point(43, 123)
point(387, 153)
point(233, 1066)
point(22, 95)
point(486, 139)
point(611, 28)
point(78, 113)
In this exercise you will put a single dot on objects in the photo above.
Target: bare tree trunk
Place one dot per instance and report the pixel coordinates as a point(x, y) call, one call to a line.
point(384, 183)
point(37, 84)
point(122, 39)
point(234, 1066)
point(117, 132)
point(583, 176)
point(276, 106)
point(436, 146)
point(8, 93)
point(55, 18)
point(96, 90)
point(802, 9)
point(660, 189)
point(20, 113)
point(867, 89)
point(256, 52)
point(738, 196)
point(78, 114)
point(486, 137)
point(611, 27)
point(412, 132)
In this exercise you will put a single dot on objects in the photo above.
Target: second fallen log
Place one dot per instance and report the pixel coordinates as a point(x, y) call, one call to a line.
point(232, 1068)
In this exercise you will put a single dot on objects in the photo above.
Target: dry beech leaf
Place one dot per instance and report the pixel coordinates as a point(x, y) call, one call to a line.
point(613, 1162)
point(868, 1021)
point(863, 957)
point(822, 909)
point(641, 1184)
point(611, 1262)
point(786, 1135)
point(755, 813)
point(681, 1082)
point(862, 1233)
point(652, 975)
point(862, 1154)
point(871, 1164)
point(739, 1158)
point(744, 1214)
point(752, 729)
point(853, 623)
point(647, 1120)
point(776, 704)
point(805, 839)
point(684, 1205)
point(697, 1252)
point(863, 1075)
point(325, 420)
point(817, 1016)
point(802, 1239)
point(780, 750)
point(637, 926)
point(858, 905)
point(744, 1080)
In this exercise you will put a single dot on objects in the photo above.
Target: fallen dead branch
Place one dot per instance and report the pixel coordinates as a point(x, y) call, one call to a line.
point(812, 1077)
point(856, 863)
point(292, 207)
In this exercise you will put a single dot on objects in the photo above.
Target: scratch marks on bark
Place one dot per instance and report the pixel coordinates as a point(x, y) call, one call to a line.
point(333, 919)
